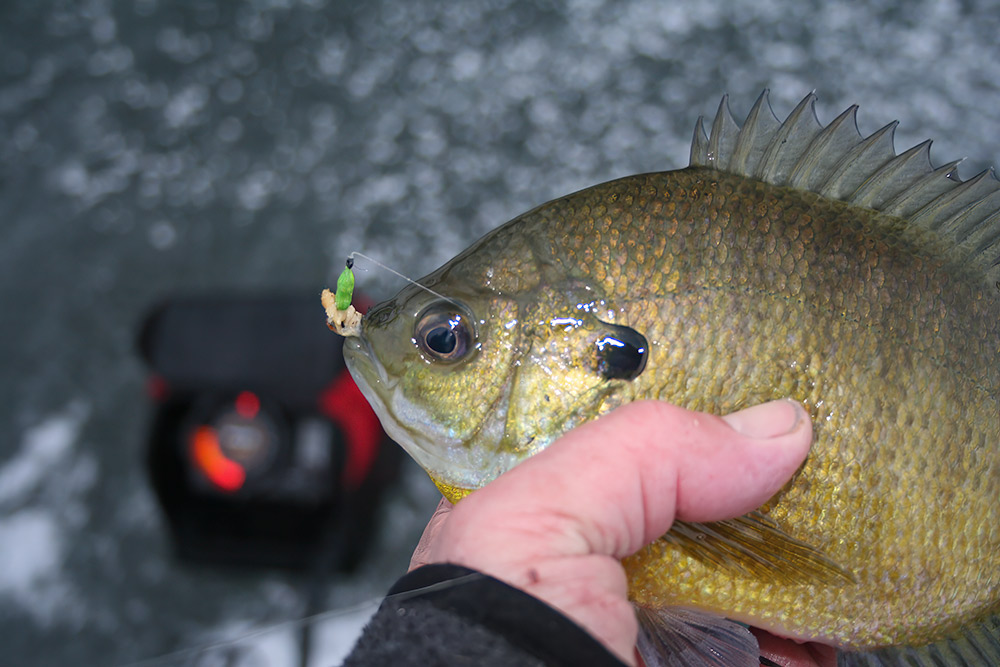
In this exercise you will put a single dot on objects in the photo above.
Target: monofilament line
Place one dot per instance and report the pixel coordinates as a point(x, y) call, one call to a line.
point(185, 655)
point(409, 280)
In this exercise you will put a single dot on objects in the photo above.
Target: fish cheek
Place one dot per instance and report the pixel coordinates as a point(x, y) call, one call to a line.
point(568, 376)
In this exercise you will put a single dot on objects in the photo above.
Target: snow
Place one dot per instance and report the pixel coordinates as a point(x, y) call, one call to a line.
point(43, 446)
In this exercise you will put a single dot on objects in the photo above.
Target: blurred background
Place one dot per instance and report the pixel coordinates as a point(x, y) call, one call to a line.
point(193, 154)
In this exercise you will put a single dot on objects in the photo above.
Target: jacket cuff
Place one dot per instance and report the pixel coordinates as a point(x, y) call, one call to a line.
point(526, 622)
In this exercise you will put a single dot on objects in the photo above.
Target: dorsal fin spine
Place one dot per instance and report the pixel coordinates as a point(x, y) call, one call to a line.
point(699, 145)
point(722, 141)
point(871, 153)
point(985, 235)
point(826, 150)
point(752, 141)
point(955, 202)
point(969, 220)
point(789, 142)
point(924, 190)
point(895, 176)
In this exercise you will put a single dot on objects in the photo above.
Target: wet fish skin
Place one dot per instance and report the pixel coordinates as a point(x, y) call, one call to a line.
point(746, 292)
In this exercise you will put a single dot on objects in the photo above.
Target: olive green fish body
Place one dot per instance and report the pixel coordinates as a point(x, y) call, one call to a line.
point(725, 291)
point(778, 293)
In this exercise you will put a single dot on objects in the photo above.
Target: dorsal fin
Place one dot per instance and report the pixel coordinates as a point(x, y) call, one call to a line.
point(836, 162)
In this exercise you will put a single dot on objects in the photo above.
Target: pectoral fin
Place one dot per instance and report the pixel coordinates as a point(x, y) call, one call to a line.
point(755, 546)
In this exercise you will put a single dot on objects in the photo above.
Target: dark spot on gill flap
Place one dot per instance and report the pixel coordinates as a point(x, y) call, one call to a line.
point(621, 352)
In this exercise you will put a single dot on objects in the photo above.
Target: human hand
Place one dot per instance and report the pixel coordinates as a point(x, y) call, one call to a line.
point(557, 525)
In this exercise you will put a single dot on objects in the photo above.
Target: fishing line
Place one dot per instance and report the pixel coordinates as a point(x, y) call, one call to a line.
point(394, 271)
point(314, 618)
point(167, 658)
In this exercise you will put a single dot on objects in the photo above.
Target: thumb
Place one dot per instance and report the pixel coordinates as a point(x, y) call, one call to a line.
point(746, 458)
point(619, 482)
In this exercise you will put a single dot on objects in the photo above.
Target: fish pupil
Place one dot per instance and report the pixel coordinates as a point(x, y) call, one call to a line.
point(442, 340)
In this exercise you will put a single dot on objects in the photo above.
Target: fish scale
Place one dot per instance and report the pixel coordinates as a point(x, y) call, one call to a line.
point(886, 542)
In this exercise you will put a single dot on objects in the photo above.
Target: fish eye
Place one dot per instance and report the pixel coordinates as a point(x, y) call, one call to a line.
point(621, 353)
point(444, 332)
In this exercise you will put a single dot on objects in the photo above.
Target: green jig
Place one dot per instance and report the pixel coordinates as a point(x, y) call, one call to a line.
point(345, 286)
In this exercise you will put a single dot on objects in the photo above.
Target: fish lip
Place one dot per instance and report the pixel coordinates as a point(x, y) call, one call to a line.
point(362, 351)
point(368, 373)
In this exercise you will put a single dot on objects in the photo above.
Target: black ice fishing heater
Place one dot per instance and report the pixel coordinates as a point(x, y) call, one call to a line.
point(262, 450)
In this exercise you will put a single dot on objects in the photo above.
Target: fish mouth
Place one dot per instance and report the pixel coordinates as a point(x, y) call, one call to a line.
point(449, 460)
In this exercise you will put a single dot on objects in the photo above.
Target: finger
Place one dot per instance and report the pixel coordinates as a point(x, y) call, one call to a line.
point(424, 552)
point(617, 483)
point(788, 653)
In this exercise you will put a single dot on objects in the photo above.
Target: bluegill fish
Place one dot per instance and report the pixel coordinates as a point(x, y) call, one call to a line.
point(790, 259)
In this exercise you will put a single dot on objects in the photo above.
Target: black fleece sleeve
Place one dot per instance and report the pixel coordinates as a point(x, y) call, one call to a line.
point(452, 616)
